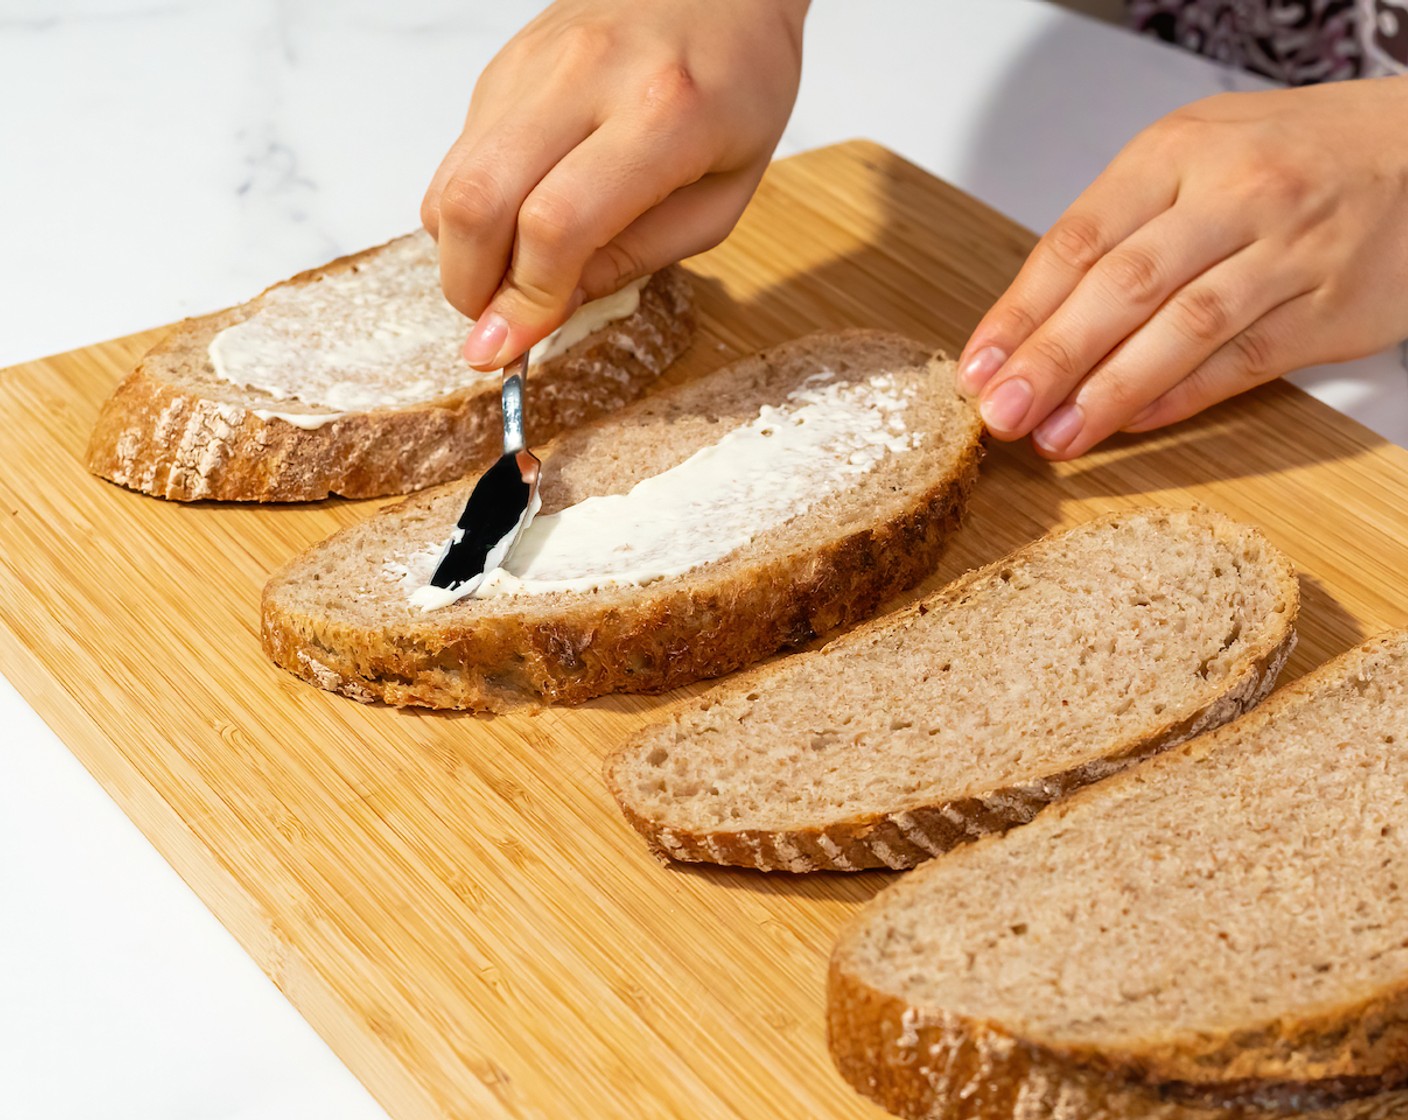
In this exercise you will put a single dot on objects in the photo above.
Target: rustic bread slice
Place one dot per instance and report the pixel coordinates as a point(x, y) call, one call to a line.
point(969, 712)
point(341, 616)
point(1221, 932)
point(177, 428)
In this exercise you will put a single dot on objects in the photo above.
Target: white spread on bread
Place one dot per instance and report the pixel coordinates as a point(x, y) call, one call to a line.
point(378, 335)
point(757, 476)
point(308, 421)
point(428, 597)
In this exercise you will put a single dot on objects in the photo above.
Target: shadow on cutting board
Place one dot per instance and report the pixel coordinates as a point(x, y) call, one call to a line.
point(1326, 628)
point(1236, 439)
point(813, 886)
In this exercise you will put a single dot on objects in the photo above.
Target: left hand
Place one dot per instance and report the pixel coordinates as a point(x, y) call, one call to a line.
point(1235, 240)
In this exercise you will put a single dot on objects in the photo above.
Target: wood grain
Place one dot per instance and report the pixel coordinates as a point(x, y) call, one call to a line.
point(452, 901)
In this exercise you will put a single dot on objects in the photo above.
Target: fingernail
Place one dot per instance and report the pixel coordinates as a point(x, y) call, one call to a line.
point(486, 339)
point(1058, 430)
point(1009, 402)
point(1141, 417)
point(977, 371)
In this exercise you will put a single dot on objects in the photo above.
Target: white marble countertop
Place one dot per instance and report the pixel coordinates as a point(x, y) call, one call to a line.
point(163, 160)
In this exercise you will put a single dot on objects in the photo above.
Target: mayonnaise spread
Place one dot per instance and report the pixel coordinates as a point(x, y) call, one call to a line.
point(380, 337)
point(757, 476)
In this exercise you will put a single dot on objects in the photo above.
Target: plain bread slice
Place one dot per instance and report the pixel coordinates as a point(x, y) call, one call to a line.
point(972, 710)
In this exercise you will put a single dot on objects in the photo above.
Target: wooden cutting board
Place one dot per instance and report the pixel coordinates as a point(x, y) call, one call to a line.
point(452, 901)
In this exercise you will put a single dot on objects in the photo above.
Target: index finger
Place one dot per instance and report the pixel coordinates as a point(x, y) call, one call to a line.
point(1126, 196)
point(473, 201)
point(593, 193)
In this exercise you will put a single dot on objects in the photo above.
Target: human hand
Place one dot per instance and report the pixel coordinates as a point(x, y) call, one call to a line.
point(608, 139)
point(1237, 239)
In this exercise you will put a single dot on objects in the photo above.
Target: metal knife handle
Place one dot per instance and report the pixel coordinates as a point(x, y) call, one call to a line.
point(515, 374)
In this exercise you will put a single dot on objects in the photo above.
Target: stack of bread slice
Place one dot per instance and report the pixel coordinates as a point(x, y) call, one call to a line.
point(1220, 933)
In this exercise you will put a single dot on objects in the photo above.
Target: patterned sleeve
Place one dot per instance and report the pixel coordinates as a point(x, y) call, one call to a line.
point(1293, 41)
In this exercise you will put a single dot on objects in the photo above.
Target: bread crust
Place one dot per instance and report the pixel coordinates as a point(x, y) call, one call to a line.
point(1340, 1062)
point(171, 441)
point(567, 649)
point(939, 1066)
point(906, 838)
point(691, 629)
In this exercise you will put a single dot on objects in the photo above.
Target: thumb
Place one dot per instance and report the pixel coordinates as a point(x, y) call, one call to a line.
point(517, 317)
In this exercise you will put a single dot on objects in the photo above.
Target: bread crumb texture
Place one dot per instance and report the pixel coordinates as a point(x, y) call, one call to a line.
point(1217, 933)
point(175, 429)
point(967, 714)
point(340, 615)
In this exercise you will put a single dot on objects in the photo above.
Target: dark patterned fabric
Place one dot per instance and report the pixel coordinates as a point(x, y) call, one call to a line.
point(1293, 41)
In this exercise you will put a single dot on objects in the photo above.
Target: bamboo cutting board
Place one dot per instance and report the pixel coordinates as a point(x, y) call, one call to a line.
point(452, 901)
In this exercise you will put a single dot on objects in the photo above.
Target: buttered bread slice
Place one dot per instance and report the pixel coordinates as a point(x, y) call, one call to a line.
point(969, 712)
point(687, 535)
point(348, 380)
point(1220, 933)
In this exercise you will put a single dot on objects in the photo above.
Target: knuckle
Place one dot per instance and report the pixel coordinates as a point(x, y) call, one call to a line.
point(670, 92)
point(1121, 394)
point(1204, 314)
point(549, 221)
point(530, 300)
point(1053, 356)
point(1134, 273)
point(620, 265)
point(1196, 117)
point(584, 44)
point(1016, 321)
point(1280, 183)
point(1189, 128)
point(1199, 110)
point(1076, 241)
point(471, 200)
point(498, 72)
point(1171, 131)
point(1255, 355)
point(430, 213)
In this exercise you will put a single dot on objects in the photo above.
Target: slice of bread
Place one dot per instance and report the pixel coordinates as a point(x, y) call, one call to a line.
point(341, 616)
point(177, 428)
point(972, 710)
point(1221, 932)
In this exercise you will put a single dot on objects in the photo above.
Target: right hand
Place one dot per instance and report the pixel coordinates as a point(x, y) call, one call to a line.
point(608, 139)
